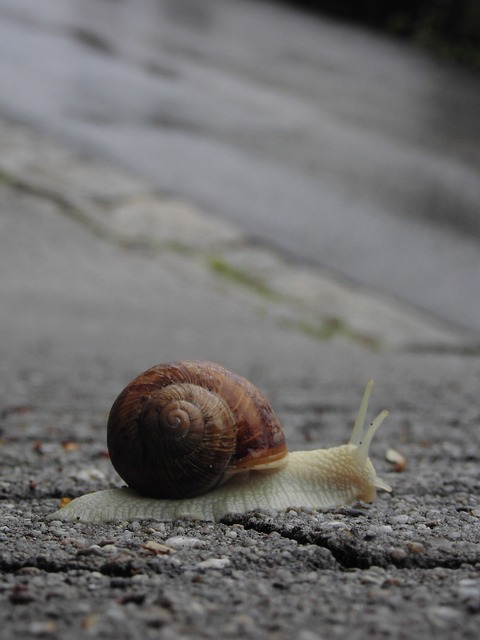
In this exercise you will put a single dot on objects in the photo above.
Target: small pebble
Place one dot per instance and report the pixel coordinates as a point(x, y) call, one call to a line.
point(386, 528)
point(402, 519)
point(214, 563)
point(115, 614)
point(158, 527)
point(89, 474)
point(398, 554)
point(181, 542)
point(415, 547)
point(157, 548)
point(442, 615)
point(42, 628)
point(335, 524)
point(93, 550)
point(109, 548)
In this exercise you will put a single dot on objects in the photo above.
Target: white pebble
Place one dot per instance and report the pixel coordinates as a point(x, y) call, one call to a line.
point(402, 519)
point(91, 473)
point(214, 563)
point(180, 542)
point(335, 524)
point(109, 548)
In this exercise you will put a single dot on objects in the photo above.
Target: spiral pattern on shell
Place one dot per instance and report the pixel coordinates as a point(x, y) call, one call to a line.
point(179, 429)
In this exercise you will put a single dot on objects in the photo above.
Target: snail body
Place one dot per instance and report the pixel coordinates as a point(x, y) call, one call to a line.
point(201, 409)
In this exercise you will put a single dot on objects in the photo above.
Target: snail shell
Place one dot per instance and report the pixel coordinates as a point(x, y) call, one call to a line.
point(180, 429)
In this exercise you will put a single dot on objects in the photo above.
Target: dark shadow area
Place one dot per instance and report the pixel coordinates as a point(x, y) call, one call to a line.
point(448, 28)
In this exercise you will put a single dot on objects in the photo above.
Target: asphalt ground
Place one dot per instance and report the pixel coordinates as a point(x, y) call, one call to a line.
point(103, 276)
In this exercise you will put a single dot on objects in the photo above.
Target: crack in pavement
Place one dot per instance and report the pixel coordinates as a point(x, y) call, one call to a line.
point(352, 549)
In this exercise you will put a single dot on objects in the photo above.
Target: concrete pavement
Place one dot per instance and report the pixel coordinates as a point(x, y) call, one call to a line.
point(341, 146)
point(103, 276)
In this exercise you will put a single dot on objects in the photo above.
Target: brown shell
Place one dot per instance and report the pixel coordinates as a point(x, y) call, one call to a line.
point(181, 428)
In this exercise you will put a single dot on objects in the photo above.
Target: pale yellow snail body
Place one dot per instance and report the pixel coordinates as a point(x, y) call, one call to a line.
point(192, 439)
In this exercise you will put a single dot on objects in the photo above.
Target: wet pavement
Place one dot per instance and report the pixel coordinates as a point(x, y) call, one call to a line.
point(341, 147)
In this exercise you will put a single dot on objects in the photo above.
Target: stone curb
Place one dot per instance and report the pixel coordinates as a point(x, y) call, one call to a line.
point(127, 210)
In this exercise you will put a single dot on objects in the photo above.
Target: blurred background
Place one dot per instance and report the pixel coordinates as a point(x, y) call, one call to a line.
point(343, 133)
point(448, 28)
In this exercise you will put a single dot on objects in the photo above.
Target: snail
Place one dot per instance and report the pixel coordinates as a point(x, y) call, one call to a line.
point(192, 439)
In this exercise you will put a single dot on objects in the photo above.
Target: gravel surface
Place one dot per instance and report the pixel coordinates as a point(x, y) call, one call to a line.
point(82, 311)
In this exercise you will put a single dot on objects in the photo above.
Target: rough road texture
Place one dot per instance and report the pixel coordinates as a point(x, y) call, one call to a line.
point(92, 291)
